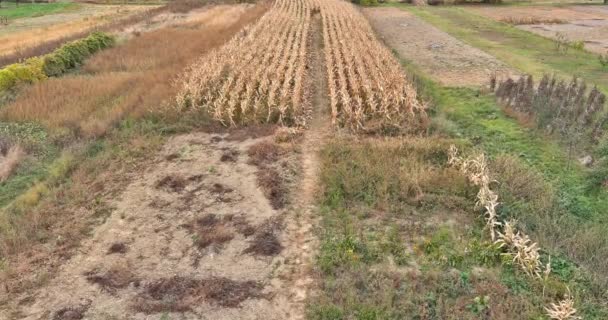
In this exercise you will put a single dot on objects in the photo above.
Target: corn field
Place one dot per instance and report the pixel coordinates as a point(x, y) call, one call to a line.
point(261, 75)
point(367, 87)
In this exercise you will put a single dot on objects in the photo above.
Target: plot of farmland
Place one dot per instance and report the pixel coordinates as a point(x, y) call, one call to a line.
point(587, 24)
point(444, 58)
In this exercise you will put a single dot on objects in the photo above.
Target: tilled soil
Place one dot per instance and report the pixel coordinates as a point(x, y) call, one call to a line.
point(593, 33)
point(445, 58)
point(194, 237)
point(567, 14)
point(588, 24)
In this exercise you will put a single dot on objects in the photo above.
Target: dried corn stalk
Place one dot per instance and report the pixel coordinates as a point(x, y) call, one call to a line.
point(368, 90)
point(259, 76)
point(563, 310)
point(476, 170)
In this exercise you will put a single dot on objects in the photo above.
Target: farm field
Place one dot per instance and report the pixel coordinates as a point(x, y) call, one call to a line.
point(303, 159)
point(585, 24)
point(26, 32)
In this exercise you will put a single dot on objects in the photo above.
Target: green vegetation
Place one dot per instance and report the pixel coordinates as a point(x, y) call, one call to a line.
point(60, 61)
point(72, 54)
point(400, 240)
point(520, 49)
point(24, 9)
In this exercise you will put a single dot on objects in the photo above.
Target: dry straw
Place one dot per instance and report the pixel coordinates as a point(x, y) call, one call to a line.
point(523, 252)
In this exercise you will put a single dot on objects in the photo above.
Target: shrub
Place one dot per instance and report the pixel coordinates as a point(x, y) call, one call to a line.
point(71, 55)
point(56, 63)
point(28, 72)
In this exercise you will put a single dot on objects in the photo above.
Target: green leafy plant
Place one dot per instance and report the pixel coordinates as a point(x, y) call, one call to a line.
point(480, 305)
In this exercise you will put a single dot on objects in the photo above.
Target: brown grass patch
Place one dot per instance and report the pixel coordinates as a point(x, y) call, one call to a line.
point(230, 156)
point(118, 247)
point(72, 312)
point(210, 230)
point(252, 132)
point(274, 187)
point(117, 277)
point(264, 153)
point(174, 183)
point(9, 160)
point(179, 294)
point(514, 20)
point(265, 243)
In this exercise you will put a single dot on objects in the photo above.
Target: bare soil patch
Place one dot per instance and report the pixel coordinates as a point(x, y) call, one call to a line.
point(443, 57)
point(540, 13)
point(208, 248)
point(593, 33)
point(588, 24)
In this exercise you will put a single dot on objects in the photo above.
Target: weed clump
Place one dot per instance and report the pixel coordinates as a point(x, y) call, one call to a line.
point(569, 110)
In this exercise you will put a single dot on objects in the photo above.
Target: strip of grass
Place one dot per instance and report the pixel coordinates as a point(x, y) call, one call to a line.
point(400, 240)
point(539, 186)
point(520, 49)
point(11, 11)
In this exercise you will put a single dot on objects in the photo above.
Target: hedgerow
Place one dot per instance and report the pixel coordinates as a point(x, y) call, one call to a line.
point(54, 64)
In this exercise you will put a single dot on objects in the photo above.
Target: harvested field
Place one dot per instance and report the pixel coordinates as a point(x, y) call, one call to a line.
point(446, 59)
point(541, 13)
point(163, 269)
point(586, 24)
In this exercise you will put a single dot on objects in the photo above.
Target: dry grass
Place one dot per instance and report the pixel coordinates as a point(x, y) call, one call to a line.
point(17, 46)
point(179, 294)
point(265, 155)
point(9, 160)
point(128, 80)
point(113, 279)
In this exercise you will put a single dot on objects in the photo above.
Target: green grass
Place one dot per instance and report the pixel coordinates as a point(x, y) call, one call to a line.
point(519, 49)
point(400, 240)
point(11, 11)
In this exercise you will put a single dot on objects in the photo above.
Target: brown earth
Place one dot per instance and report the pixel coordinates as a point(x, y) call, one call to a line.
point(593, 33)
point(588, 24)
point(441, 56)
point(540, 13)
point(193, 236)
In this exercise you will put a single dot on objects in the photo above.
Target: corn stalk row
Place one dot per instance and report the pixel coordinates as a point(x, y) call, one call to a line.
point(259, 76)
point(368, 89)
point(523, 252)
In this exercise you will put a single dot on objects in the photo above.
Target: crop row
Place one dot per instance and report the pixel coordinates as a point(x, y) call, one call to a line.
point(259, 76)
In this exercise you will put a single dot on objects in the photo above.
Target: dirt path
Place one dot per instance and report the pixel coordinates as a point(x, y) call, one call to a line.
point(302, 243)
point(443, 57)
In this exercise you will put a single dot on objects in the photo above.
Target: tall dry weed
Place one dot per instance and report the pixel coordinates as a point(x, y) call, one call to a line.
point(9, 161)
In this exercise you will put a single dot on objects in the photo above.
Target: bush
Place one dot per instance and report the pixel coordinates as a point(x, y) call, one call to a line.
point(72, 54)
point(56, 63)
point(28, 72)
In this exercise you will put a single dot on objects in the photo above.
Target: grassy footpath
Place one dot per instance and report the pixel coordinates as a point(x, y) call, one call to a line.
point(520, 49)
point(26, 10)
